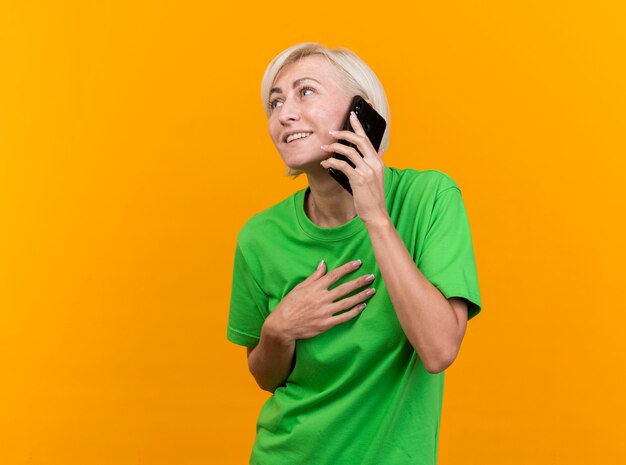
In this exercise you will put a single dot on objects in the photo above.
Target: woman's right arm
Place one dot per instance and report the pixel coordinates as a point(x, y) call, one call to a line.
point(308, 310)
point(271, 360)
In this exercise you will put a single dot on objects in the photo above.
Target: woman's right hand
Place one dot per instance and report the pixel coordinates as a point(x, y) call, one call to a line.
point(310, 308)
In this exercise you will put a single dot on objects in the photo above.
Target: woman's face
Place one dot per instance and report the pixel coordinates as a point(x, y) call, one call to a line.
point(306, 101)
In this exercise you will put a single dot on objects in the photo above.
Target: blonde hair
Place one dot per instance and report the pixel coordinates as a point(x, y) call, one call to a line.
point(356, 77)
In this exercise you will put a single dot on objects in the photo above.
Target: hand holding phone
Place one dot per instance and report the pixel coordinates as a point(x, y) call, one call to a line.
point(374, 126)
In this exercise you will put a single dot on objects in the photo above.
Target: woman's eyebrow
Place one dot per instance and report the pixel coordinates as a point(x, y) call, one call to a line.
point(295, 84)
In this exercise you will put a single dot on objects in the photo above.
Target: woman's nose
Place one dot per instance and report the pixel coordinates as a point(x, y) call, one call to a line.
point(289, 111)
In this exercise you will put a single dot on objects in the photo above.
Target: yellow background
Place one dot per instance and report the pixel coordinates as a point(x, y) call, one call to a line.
point(133, 146)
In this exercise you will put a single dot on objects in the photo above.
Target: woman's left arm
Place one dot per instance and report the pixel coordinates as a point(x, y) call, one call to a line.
point(435, 326)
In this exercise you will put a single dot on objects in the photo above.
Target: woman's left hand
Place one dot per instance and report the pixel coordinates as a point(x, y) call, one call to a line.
point(367, 179)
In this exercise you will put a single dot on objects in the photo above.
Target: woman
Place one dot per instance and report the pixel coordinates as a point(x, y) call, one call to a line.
point(351, 384)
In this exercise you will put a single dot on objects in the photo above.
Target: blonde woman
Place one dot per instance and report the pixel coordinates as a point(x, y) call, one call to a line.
point(351, 306)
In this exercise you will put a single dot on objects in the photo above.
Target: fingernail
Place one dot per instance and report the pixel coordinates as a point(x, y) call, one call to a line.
point(323, 147)
point(356, 264)
point(369, 277)
point(353, 114)
point(370, 291)
point(320, 265)
point(333, 132)
point(362, 306)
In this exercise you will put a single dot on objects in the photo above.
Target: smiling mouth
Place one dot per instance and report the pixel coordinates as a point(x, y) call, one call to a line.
point(297, 136)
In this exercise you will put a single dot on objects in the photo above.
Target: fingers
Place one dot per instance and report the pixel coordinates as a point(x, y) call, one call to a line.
point(348, 302)
point(345, 316)
point(343, 270)
point(309, 309)
point(350, 286)
point(320, 270)
point(339, 165)
point(358, 137)
point(356, 125)
point(347, 151)
point(318, 273)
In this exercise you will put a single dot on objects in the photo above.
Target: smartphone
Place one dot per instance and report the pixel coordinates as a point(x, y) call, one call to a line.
point(374, 126)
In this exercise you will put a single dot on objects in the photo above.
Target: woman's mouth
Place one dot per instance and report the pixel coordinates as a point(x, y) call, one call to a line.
point(297, 136)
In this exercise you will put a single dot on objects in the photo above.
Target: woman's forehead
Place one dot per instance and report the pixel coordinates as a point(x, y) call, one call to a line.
point(317, 67)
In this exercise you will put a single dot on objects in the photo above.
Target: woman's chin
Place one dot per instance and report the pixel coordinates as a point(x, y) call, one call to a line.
point(311, 164)
point(312, 168)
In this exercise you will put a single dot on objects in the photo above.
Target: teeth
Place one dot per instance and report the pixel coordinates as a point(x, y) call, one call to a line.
point(298, 135)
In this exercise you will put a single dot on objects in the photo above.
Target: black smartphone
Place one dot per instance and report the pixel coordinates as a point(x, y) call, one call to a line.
point(374, 126)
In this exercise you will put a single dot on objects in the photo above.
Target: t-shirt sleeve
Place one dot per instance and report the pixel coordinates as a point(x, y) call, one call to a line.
point(447, 258)
point(248, 305)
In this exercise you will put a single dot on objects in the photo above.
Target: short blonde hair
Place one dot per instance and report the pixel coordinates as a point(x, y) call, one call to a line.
point(357, 78)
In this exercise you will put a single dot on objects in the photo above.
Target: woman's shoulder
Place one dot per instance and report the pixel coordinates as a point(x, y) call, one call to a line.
point(428, 181)
point(268, 221)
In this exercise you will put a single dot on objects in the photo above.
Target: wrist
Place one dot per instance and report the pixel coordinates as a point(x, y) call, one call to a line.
point(274, 331)
point(381, 223)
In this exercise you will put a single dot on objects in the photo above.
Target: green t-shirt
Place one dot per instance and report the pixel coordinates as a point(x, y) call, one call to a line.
point(358, 393)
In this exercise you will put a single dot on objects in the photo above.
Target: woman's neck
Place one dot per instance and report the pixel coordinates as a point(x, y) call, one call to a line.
point(328, 205)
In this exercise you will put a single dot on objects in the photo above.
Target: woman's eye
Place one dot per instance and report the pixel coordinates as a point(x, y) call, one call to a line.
point(274, 104)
